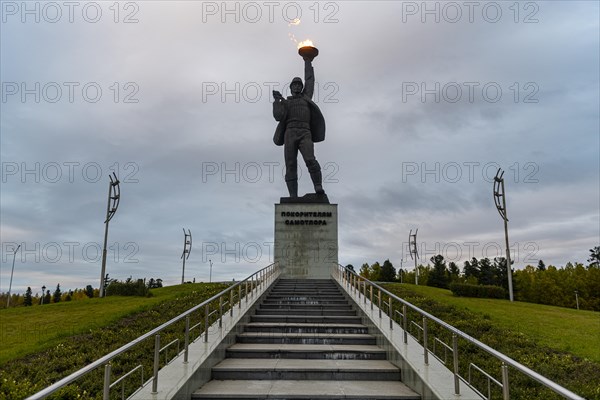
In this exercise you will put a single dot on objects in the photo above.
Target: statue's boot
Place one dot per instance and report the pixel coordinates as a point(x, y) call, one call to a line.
point(292, 188)
point(317, 181)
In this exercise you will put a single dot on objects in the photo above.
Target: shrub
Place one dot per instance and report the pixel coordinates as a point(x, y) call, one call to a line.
point(485, 291)
point(128, 288)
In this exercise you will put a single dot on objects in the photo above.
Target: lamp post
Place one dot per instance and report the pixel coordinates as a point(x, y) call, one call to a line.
point(11, 276)
point(114, 197)
point(401, 264)
point(500, 201)
point(412, 244)
point(210, 273)
point(187, 249)
point(43, 294)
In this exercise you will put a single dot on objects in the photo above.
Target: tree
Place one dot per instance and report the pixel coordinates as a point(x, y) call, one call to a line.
point(47, 297)
point(454, 271)
point(500, 272)
point(594, 259)
point(471, 269)
point(388, 272)
point(57, 294)
point(28, 300)
point(541, 266)
point(154, 283)
point(89, 291)
point(439, 275)
point(486, 272)
point(365, 271)
point(375, 272)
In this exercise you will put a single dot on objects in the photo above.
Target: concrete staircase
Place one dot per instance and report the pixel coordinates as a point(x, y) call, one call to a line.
point(305, 342)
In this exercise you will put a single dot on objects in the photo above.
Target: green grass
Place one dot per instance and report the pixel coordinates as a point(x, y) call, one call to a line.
point(563, 329)
point(558, 343)
point(28, 330)
point(79, 332)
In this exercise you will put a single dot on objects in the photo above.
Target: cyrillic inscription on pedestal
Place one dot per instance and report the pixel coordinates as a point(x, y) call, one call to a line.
point(306, 239)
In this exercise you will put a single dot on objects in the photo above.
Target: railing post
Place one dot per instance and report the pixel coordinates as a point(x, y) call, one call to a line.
point(505, 384)
point(231, 303)
point(405, 323)
point(379, 302)
point(240, 296)
point(206, 314)
point(156, 360)
point(371, 295)
point(246, 292)
point(426, 351)
point(220, 312)
point(106, 390)
point(391, 314)
point(187, 339)
point(365, 290)
point(455, 356)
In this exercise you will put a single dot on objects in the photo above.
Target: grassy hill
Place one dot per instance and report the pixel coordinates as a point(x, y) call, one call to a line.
point(559, 343)
point(27, 330)
point(564, 329)
point(42, 344)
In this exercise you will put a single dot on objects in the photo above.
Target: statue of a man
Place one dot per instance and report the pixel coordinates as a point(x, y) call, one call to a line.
point(301, 124)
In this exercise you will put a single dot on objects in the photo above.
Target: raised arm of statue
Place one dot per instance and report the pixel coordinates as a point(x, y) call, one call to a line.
point(309, 79)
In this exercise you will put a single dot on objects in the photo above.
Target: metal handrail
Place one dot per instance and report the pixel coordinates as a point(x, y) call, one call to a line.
point(257, 279)
point(343, 274)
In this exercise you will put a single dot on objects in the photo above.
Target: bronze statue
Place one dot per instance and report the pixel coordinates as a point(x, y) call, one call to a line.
point(301, 124)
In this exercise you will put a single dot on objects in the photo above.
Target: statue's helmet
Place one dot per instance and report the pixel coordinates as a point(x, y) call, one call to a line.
point(296, 80)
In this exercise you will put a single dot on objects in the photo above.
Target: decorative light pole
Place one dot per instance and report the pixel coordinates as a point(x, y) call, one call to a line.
point(500, 201)
point(210, 273)
point(43, 294)
point(401, 264)
point(187, 249)
point(412, 244)
point(114, 197)
point(11, 276)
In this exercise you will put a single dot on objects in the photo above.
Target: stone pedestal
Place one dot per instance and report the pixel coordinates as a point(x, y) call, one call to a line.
point(306, 239)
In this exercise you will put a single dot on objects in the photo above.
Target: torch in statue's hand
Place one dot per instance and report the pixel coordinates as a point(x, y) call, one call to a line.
point(307, 50)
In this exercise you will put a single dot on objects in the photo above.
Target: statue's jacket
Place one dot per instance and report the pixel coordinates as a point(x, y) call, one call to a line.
point(317, 122)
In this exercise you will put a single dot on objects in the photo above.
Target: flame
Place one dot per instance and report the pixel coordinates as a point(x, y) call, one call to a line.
point(306, 43)
point(295, 21)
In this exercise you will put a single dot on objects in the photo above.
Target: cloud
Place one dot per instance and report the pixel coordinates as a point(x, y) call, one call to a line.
point(185, 121)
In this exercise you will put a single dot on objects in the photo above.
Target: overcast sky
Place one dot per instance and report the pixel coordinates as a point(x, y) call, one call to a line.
point(423, 102)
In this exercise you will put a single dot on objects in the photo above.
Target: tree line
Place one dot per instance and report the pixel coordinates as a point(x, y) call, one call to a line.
point(129, 287)
point(573, 285)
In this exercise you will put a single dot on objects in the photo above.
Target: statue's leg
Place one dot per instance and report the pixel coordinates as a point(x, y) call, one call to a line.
point(290, 153)
point(307, 149)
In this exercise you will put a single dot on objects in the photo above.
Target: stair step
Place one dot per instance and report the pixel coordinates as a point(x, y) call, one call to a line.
point(306, 312)
point(292, 369)
point(305, 327)
point(306, 351)
point(269, 306)
point(323, 319)
point(306, 338)
point(299, 390)
point(315, 301)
